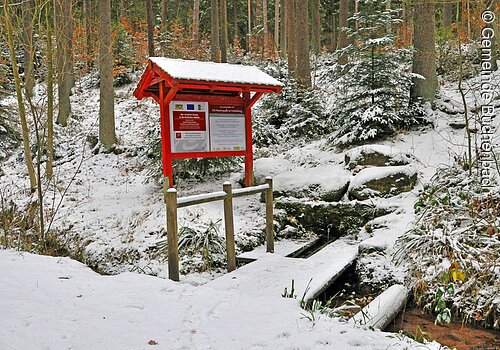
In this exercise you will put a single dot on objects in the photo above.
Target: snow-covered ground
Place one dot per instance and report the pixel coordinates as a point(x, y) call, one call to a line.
point(118, 217)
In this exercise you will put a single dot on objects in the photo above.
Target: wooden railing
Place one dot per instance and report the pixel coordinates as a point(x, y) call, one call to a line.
point(227, 194)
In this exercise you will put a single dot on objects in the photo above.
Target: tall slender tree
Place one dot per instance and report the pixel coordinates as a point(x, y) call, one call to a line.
point(265, 26)
point(151, 27)
point(343, 40)
point(196, 23)
point(29, 50)
point(63, 32)
point(50, 95)
point(249, 24)
point(303, 64)
point(291, 37)
point(315, 26)
point(277, 24)
point(87, 8)
point(424, 56)
point(163, 15)
point(283, 29)
point(223, 31)
point(107, 103)
point(214, 31)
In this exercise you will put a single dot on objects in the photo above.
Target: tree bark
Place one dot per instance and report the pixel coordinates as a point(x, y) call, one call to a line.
point(214, 29)
point(62, 11)
point(343, 40)
point(50, 98)
point(196, 23)
point(223, 31)
point(334, 33)
point(277, 24)
point(447, 15)
point(151, 28)
point(106, 104)
point(283, 29)
point(291, 37)
point(249, 26)
point(19, 95)
point(303, 64)
point(424, 56)
point(164, 15)
point(123, 9)
point(87, 29)
point(265, 26)
point(29, 80)
point(315, 26)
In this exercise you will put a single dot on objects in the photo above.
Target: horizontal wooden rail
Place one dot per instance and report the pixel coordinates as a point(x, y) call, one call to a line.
point(227, 195)
point(200, 199)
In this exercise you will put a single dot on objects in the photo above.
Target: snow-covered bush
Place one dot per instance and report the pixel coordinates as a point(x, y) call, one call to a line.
point(456, 239)
point(373, 87)
point(448, 59)
point(292, 114)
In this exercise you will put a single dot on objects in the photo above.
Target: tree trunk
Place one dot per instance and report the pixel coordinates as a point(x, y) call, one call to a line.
point(447, 16)
point(106, 105)
point(334, 33)
point(19, 95)
point(61, 15)
point(50, 98)
point(291, 37)
point(303, 64)
point(283, 29)
point(214, 31)
point(249, 27)
point(265, 26)
point(123, 9)
point(29, 81)
point(235, 21)
point(424, 56)
point(151, 28)
point(388, 8)
point(277, 24)
point(87, 29)
point(196, 23)
point(164, 15)
point(315, 26)
point(223, 31)
point(343, 40)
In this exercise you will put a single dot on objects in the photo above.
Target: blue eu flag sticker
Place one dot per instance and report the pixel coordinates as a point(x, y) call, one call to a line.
point(190, 107)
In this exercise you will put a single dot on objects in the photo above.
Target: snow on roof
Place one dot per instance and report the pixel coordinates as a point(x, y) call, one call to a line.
point(210, 71)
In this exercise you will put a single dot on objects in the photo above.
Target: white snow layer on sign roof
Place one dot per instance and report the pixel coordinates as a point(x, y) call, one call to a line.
point(210, 71)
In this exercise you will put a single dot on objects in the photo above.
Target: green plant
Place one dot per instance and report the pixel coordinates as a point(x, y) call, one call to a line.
point(443, 312)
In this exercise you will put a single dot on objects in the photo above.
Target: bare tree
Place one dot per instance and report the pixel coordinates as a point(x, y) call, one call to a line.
point(277, 24)
point(291, 37)
point(249, 24)
point(64, 35)
point(196, 22)
point(315, 26)
point(265, 25)
point(19, 94)
point(303, 64)
point(214, 29)
point(151, 27)
point(50, 96)
point(106, 104)
point(164, 15)
point(424, 56)
point(223, 30)
point(283, 29)
point(343, 40)
point(29, 81)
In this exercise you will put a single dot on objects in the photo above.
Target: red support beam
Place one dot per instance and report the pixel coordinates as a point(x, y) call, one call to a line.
point(249, 180)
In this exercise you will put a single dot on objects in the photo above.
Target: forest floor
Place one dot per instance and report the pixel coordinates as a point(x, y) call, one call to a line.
point(115, 216)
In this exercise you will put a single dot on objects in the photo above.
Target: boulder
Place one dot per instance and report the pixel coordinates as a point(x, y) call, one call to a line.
point(375, 155)
point(382, 182)
point(329, 218)
point(328, 183)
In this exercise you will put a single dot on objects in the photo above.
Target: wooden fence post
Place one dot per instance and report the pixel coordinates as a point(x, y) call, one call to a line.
point(173, 239)
point(229, 227)
point(166, 185)
point(269, 216)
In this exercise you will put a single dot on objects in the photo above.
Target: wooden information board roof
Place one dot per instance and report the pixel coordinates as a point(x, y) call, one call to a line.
point(204, 77)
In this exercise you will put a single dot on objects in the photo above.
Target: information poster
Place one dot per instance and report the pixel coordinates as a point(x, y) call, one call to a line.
point(189, 126)
point(227, 127)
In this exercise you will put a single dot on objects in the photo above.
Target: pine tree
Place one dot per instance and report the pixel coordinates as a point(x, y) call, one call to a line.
point(376, 82)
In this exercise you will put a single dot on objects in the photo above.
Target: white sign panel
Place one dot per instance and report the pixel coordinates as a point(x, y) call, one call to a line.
point(227, 128)
point(189, 126)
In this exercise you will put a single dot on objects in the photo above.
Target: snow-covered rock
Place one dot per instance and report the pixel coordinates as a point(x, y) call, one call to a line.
point(382, 182)
point(328, 183)
point(329, 218)
point(375, 155)
point(264, 167)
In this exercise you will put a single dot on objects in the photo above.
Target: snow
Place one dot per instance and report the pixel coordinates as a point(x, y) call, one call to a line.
point(210, 71)
point(389, 151)
point(382, 310)
point(376, 173)
point(57, 303)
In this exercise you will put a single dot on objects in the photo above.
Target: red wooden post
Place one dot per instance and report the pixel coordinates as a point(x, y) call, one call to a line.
point(249, 181)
